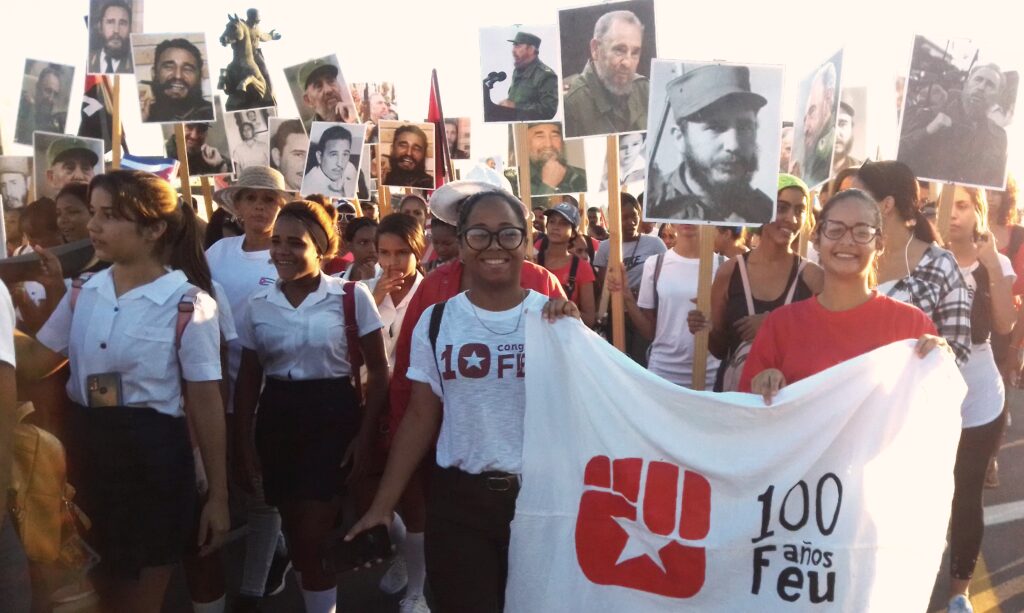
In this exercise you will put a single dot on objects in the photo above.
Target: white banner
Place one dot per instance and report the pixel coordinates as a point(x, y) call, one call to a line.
point(642, 496)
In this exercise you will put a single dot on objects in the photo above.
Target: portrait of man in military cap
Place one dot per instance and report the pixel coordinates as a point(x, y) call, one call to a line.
point(61, 159)
point(173, 78)
point(320, 92)
point(715, 139)
point(15, 180)
point(606, 58)
point(519, 68)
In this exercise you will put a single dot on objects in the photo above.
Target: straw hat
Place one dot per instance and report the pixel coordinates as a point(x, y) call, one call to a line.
point(253, 177)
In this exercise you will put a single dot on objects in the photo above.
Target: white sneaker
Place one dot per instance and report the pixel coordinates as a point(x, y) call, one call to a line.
point(414, 604)
point(396, 578)
point(960, 604)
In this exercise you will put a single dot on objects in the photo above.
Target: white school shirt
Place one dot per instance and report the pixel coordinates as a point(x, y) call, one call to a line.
point(392, 316)
point(484, 389)
point(134, 335)
point(985, 390)
point(305, 342)
point(672, 350)
point(6, 326)
point(241, 273)
point(225, 316)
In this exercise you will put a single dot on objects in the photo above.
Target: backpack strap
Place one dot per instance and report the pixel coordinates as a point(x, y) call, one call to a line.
point(570, 284)
point(657, 274)
point(432, 332)
point(186, 306)
point(355, 356)
point(741, 264)
point(76, 287)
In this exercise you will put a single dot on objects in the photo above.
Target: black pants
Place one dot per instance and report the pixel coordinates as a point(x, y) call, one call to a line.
point(967, 522)
point(466, 539)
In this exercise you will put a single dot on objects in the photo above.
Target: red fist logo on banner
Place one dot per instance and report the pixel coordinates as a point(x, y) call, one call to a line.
point(632, 541)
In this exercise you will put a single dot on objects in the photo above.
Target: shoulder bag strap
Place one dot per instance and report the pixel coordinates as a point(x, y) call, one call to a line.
point(741, 264)
point(796, 281)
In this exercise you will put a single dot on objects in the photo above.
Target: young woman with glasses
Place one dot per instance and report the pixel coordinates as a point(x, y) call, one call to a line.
point(475, 364)
point(848, 318)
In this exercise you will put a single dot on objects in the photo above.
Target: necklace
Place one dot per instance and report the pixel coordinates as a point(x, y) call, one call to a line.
point(519, 318)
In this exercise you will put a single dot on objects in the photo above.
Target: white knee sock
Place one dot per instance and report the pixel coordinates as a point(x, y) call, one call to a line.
point(217, 606)
point(412, 550)
point(397, 532)
point(321, 602)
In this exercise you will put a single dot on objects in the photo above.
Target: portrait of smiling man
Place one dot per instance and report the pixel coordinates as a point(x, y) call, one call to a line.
point(710, 136)
point(408, 149)
point(171, 89)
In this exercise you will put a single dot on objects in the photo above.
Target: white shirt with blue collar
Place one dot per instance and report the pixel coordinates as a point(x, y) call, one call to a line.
point(134, 335)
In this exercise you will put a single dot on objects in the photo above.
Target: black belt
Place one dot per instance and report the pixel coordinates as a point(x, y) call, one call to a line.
point(494, 481)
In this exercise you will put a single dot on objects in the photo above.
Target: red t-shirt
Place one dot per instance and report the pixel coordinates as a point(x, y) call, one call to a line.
point(584, 274)
point(805, 338)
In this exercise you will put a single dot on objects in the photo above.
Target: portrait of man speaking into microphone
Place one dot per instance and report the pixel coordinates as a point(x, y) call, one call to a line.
point(519, 67)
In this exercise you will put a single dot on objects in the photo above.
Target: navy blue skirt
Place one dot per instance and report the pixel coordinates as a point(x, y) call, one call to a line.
point(134, 474)
point(302, 431)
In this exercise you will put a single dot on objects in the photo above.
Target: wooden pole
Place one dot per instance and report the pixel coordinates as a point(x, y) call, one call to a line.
point(207, 196)
point(523, 161)
point(704, 279)
point(615, 243)
point(805, 232)
point(945, 210)
point(584, 222)
point(384, 195)
point(358, 207)
point(183, 174)
point(115, 130)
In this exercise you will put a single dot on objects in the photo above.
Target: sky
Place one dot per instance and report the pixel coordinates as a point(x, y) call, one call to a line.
point(401, 41)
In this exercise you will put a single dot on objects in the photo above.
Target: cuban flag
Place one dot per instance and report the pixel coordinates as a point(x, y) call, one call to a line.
point(165, 168)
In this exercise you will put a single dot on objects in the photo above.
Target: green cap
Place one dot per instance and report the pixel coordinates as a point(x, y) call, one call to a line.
point(700, 87)
point(307, 70)
point(525, 38)
point(65, 145)
point(791, 181)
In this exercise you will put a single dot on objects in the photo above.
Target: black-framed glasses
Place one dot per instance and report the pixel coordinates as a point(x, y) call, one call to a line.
point(480, 239)
point(834, 230)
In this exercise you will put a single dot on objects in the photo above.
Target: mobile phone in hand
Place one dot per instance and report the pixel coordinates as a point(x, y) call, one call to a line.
point(370, 547)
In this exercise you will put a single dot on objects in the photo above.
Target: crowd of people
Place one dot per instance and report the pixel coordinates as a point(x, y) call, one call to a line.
point(297, 361)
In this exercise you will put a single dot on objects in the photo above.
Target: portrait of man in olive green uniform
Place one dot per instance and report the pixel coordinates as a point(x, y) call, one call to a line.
point(518, 69)
point(817, 109)
point(605, 67)
point(551, 171)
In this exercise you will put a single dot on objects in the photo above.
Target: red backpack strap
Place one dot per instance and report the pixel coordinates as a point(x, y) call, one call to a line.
point(186, 306)
point(76, 287)
point(355, 356)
